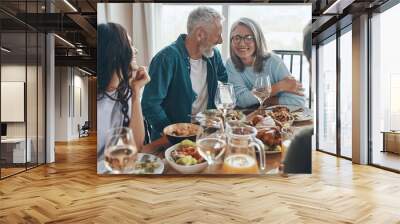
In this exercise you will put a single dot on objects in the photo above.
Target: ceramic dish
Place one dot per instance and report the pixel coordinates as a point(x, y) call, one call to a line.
point(148, 164)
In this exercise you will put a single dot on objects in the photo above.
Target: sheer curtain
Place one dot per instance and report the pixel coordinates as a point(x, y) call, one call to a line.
point(117, 13)
point(138, 19)
point(143, 27)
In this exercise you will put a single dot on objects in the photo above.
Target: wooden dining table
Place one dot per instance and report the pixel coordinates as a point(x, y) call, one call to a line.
point(273, 160)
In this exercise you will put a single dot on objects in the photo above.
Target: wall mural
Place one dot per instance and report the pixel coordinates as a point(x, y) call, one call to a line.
point(216, 99)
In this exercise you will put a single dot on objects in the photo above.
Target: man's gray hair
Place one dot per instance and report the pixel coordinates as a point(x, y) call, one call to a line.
point(202, 16)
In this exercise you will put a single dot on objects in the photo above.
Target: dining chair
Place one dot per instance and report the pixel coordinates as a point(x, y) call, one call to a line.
point(294, 62)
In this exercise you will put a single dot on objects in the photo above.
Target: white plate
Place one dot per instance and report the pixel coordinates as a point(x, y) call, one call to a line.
point(272, 152)
point(290, 107)
point(305, 115)
point(203, 114)
point(210, 111)
point(158, 170)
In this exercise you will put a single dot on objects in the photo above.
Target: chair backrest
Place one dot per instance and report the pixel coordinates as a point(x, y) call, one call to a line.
point(294, 62)
point(86, 125)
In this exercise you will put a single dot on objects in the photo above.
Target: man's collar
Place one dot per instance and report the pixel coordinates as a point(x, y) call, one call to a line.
point(180, 42)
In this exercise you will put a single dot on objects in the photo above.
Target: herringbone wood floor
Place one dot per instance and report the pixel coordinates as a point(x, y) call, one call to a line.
point(70, 191)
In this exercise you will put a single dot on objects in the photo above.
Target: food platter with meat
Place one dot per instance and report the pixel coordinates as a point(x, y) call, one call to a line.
point(282, 116)
point(277, 116)
point(272, 139)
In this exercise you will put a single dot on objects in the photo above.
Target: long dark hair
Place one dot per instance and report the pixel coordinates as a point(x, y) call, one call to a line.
point(114, 55)
point(261, 53)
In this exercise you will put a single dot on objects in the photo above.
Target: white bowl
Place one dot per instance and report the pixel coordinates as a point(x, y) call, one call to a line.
point(174, 139)
point(192, 169)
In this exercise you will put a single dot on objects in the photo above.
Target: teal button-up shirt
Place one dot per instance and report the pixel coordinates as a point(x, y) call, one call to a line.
point(169, 96)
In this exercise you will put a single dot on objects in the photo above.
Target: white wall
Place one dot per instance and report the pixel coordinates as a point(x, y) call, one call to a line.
point(70, 83)
point(80, 112)
point(61, 103)
point(33, 126)
point(12, 73)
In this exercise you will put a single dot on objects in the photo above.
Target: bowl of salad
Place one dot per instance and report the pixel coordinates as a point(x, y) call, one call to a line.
point(185, 158)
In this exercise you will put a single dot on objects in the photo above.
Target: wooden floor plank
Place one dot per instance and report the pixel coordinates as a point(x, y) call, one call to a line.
point(70, 191)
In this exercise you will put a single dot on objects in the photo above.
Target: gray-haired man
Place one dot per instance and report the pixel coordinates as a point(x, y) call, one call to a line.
point(184, 75)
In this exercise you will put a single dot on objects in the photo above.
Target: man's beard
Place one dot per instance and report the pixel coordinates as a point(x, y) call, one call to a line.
point(207, 51)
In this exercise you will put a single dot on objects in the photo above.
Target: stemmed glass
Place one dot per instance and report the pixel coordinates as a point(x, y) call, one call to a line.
point(225, 99)
point(262, 88)
point(120, 151)
point(211, 141)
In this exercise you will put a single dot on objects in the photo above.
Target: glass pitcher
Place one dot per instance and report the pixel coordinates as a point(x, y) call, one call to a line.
point(240, 155)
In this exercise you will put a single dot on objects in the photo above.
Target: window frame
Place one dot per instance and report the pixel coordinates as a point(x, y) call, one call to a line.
point(225, 13)
point(333, 37)
point(371, 14)
point(25, 30)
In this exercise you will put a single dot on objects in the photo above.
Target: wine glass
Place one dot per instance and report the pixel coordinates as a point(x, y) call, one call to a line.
point(211, 141)
point(262, 88)
point(225, 98)
point(120, 151)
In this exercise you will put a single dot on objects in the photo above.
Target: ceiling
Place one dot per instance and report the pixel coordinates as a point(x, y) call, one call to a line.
point(329, 16)
point(76, 25)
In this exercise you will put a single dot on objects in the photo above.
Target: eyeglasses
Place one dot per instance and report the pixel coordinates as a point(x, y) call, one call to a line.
point(248, 39)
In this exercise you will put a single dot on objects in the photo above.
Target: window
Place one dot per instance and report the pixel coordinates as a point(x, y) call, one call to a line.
point(283, 34)
point(346, 94)
point(394, 101)
point(172, 23)
point(327, 96)
point(22, 65)
point(385, 84)
point(282, 25)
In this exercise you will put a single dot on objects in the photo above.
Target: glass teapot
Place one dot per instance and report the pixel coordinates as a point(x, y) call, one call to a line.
point(240, 155)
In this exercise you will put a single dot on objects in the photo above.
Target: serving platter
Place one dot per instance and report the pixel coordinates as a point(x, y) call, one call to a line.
point(144, 159)
point(300, 114)
point(238, 115)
